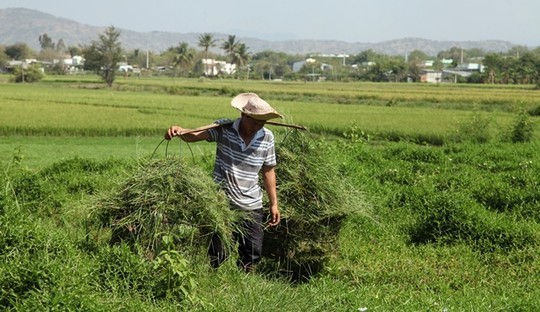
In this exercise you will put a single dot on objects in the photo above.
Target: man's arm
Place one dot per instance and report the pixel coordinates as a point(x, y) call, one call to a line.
point(269, 179)
point(188, 137)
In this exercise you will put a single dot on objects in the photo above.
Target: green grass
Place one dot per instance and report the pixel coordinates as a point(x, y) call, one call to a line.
point(62, 111)
point(452, 226)
point(42, 151)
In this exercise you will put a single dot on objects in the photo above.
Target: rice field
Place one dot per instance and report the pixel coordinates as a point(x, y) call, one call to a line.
point(402, 110)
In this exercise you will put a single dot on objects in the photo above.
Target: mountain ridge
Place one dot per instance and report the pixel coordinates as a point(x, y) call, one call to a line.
point(26, 25)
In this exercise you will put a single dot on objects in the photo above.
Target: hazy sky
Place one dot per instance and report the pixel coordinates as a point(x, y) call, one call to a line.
point(517, 21)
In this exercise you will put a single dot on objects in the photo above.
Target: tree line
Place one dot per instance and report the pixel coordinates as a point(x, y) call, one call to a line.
point(519, 65)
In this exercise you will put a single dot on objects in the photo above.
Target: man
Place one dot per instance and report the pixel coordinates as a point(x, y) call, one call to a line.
point(244, 149)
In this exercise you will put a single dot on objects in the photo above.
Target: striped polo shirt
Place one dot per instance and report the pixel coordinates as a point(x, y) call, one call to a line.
point(237, 166)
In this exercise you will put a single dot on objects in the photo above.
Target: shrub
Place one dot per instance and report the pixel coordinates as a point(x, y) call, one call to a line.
point(535, 111)
point(174, 278)
point(32, 73)
point(355, 134)
point(122, 271)
point(49, 189)
point(522, 130)
point(412, 153)
point(449, 218)
point(33, 258)
point(476, 130)
point(514, 193)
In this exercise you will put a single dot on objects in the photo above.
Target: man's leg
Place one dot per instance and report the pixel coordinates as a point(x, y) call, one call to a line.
point(250, 243)
point(216, 251)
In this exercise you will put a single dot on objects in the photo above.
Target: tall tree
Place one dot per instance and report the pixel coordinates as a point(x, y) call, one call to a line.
point(270, 65)
point(61, 46)
point(417, 56)
point(517, 51)
point(103, 55)
point(18, 51)
point(50, 51)
point(229, 46)
point(206, 41)
point(528, 68)
point(46, 42)
point(240, 56)
point(457, 54)
point(366, 56)
point(183, 56)
point(237, 51)
point(3, 56)
point(74, 50)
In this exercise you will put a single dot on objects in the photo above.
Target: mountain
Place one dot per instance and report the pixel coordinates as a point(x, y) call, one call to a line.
point(25, 25)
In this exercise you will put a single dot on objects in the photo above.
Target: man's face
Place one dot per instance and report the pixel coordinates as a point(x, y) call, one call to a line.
point(251, 125)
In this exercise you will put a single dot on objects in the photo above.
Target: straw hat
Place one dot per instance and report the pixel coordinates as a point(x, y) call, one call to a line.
point(255, 107)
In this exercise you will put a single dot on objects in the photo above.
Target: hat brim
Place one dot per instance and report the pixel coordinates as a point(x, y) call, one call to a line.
point(239, 102)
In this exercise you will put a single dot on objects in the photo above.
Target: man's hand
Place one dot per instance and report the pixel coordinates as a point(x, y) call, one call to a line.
point(275, 215)
point(187, 135)
point(173, 131)
point(269, 178)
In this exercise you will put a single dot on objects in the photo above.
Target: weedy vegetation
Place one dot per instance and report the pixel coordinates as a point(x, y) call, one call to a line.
point(402, 197)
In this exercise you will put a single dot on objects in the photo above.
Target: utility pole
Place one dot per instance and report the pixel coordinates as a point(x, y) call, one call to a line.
point(147, 56)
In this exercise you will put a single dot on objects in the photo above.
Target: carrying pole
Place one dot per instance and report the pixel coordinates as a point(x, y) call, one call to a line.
point(217, 125)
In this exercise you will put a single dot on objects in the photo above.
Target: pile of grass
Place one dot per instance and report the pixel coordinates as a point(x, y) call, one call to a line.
point(167, 202)
point(315, 199)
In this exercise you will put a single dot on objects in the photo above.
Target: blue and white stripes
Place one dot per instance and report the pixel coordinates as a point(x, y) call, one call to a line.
point(237, 166)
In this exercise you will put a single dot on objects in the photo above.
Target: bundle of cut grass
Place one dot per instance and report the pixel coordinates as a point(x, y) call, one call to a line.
point(314, 199)
point(167, 198)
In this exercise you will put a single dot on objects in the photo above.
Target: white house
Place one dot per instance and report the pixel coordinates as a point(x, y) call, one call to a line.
point(125, 67)
point(73, 63)
point(463, 70)
point(431, 76)
point(213, 67)
point(447, 62)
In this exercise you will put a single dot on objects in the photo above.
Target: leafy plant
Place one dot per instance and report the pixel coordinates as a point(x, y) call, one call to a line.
point(453, 218)
point(475, 130)
point(522, 130)
point(103, 55)
point(30, 74)
point(121, 270)
point(174, 276)
point(535, 111)
point(355, 134)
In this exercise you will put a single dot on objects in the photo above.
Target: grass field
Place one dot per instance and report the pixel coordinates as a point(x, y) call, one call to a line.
point(449, 208)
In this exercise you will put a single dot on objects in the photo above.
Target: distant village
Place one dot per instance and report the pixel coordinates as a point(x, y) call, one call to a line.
point(215, 68)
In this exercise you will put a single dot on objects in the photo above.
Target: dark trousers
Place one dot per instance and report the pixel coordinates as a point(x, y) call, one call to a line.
point(249, 240)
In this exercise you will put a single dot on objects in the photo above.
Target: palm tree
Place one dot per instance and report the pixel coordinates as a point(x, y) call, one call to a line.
point(241, 56)
point(229, 46)
point(206, 41)
point(184, 56)
point(237, 51)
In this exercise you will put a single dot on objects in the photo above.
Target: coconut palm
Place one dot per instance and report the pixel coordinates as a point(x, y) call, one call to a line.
point(184, 56)
point(206, 41)
point(237, 51)
point(229, 46)
point(241, 56)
